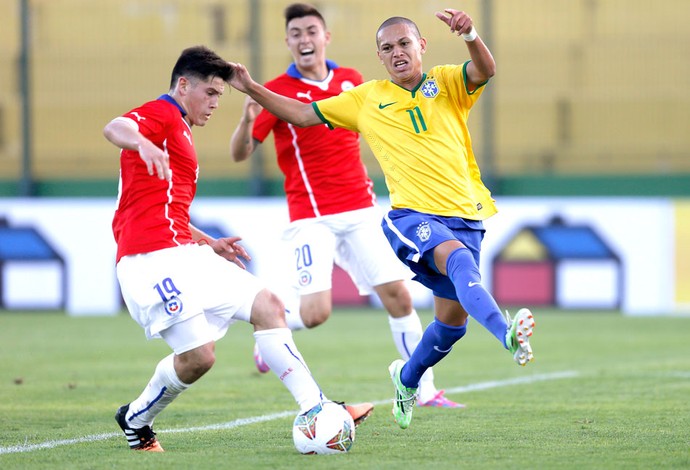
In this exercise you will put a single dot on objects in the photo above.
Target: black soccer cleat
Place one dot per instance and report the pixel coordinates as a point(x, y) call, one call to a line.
point(138, 439)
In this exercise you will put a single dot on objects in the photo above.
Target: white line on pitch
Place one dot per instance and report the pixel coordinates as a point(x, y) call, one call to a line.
point(260, 419)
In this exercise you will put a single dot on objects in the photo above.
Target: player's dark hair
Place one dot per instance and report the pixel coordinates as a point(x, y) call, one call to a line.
point(397, 20)
point(300, 10)
point(200, 62)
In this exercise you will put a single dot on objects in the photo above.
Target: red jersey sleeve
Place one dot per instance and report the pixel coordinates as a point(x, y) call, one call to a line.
point(263, 125)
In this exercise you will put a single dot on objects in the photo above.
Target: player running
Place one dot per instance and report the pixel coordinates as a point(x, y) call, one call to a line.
point(416, 124)
point(178, 283)
point(334, 216)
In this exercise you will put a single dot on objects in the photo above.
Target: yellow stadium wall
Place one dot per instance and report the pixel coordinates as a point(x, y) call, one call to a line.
point(583, 87)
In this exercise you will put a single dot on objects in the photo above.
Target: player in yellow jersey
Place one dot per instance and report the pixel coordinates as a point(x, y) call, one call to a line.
point(334, 216)
point(416, 125)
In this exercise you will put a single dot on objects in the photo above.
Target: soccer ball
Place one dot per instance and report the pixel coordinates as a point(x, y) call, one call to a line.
point(325, 429)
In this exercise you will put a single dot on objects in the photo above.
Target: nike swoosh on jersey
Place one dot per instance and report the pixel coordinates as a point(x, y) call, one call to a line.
point(381, 105)
point(472, 284)
point(441, 350)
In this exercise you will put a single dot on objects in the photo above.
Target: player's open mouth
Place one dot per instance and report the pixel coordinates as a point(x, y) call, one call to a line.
point(305, 52)
point(400, 64)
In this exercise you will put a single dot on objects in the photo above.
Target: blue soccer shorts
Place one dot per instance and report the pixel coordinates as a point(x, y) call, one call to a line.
point(414, 235)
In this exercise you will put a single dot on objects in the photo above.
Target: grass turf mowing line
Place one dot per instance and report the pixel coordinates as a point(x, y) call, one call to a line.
point(65, 376)
point(259, 419)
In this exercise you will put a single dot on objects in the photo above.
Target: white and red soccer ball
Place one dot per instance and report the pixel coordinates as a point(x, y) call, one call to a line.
point(325, 429)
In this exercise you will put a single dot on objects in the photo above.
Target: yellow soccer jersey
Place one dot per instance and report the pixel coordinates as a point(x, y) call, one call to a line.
point(421, 140)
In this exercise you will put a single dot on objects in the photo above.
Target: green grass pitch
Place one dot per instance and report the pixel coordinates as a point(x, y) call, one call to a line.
point(605, 391)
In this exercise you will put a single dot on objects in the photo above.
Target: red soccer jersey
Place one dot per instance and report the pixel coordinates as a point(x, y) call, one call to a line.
point(323, 170)
point(153, 214)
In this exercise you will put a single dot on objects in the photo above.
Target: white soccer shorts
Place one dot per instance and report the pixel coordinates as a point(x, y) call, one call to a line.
point(353, 240)
point(170, 286)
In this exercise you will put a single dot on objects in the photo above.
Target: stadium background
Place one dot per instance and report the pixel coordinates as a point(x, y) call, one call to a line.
point(591, 96)
point(591, 99)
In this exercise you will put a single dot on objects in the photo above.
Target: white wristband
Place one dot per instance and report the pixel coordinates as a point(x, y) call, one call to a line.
point(471, 36)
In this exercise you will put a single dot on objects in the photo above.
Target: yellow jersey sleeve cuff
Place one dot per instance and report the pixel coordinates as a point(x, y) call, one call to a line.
point(321, 116)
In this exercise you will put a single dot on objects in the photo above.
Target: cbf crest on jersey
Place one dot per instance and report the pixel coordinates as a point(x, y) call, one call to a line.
point(429, 88)
point(423, 231)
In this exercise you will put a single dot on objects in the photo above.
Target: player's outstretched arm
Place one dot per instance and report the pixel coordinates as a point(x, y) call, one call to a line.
point(123, 134)
point(242, 145)
point(288, 109)
point(483, 65)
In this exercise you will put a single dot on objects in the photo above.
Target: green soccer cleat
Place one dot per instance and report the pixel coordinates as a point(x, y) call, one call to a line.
point(517, 336)
point(405, 398)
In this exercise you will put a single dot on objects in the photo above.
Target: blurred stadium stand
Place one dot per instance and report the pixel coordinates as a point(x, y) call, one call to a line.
point(591, 96)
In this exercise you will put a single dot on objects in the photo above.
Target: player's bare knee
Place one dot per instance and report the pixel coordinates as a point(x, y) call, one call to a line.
point(396, 298)
point(315, 314)
point(403, 301)
point(316, 318)
point(268, 311)
point(315, 308)
point(204, 364)
point(192, 365)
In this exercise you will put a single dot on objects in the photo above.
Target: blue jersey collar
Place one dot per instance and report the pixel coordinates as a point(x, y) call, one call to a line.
point(172, 101)
point(294, 73)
